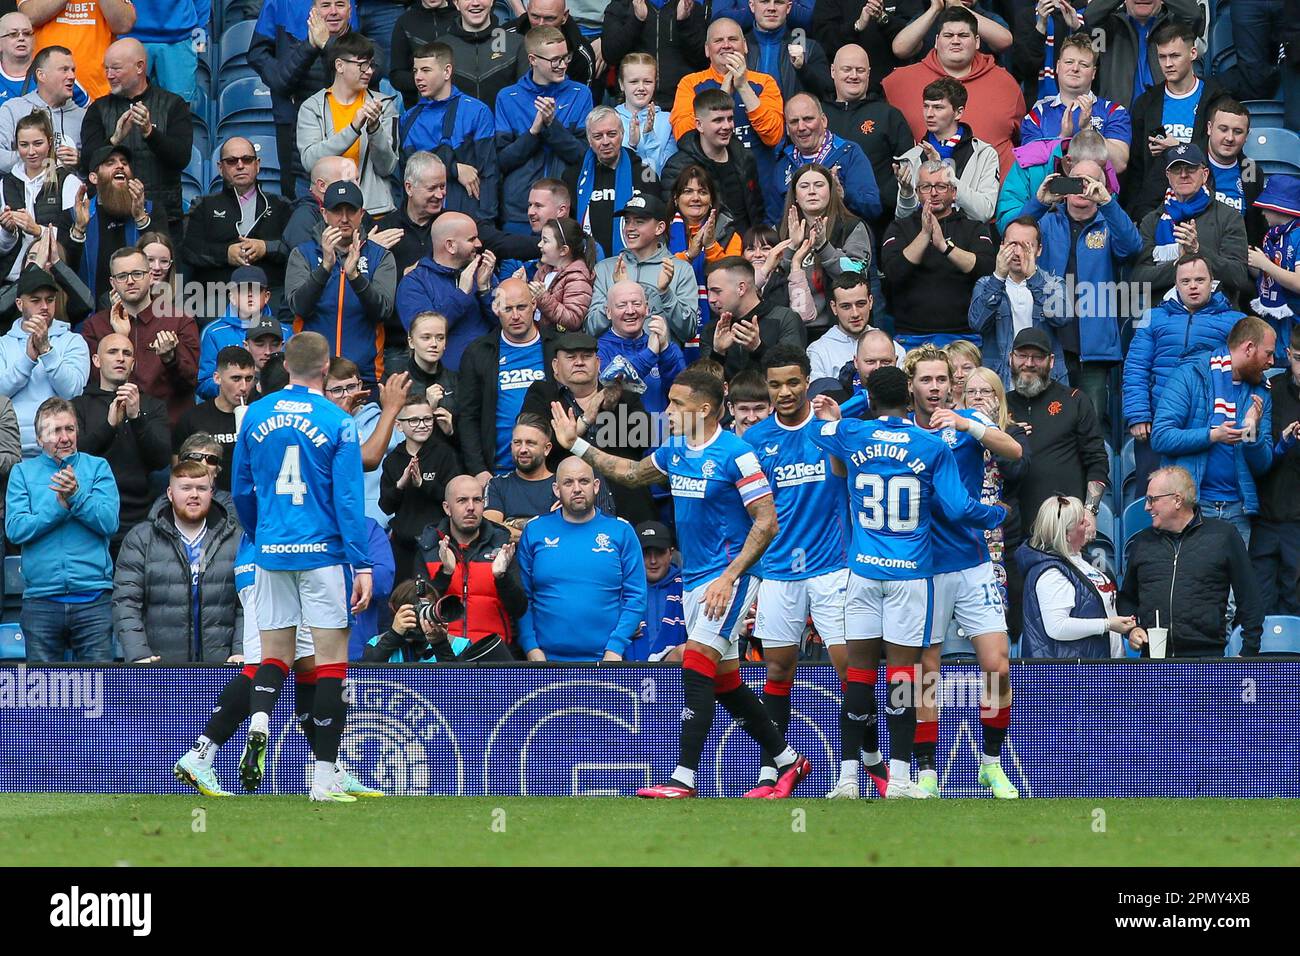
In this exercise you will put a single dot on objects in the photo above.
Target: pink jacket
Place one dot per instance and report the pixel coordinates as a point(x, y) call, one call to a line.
point(564, 305)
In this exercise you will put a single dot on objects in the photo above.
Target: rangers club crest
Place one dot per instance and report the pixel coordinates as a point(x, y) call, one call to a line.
point(602, 545)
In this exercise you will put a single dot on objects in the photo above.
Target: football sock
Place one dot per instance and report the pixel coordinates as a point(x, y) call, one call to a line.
point(267, 685)
point(859, 702)
point(230, 711)
point(697, 716)
point(323, 778)
point(927, 734)
point(329, 711)
point(848, 771)
point(743, 705)
point(900, 714)
point(776, 701)
point(685, 776)
point(304, 696)
point(995, 721)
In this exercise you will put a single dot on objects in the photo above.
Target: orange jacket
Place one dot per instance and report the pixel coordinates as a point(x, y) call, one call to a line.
point(994, 107)
point(767, 120)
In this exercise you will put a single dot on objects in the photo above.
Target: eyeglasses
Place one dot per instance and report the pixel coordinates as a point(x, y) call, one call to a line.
point(1152, 499)
point(980, 393)
point(206, 459)
point(363, 66)
point(135, 276)
point(556, 62)
point(338, 391)
point(424, 421)
point(238, 160)
point(933, 187)
point(25, 34)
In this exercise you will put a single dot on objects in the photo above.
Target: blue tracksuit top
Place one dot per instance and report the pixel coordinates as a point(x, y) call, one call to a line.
point(525, 158)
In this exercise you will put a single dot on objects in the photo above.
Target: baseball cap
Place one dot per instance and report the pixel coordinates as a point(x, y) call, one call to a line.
point(102, 154)
point(652, 534)
point(250, 275)
point(266, 325)
point(34, 278)
point(1188, 153)
point(575, 342)
point(645, 206)
point(1032, 338)
point(343, 193)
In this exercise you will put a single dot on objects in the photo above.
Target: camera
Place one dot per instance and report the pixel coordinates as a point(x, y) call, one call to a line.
point(444, 611)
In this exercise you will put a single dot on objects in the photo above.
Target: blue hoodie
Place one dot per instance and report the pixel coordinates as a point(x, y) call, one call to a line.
point(1107, 241)
point(470, 140)
point(861, 193)
point(1167, 334)
point(65, 550)
point(433, 287)
point(217, 334)
point(526, 158)
point(665, 619)
point(61, 371)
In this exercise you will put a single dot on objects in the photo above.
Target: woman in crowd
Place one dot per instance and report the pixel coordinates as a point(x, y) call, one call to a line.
point(701, 231)
point(763, 249)
point(562, 285)
point(646, 128)
point(964, 357)
point(161, 253)
point(1069, 606)
point(37, 192)
point(837, 240)
point(427, 338)
point(984, 393)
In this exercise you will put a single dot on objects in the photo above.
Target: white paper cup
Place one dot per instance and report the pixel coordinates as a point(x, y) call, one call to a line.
point(1157, 642)
point(796, 49)
point(240, 412)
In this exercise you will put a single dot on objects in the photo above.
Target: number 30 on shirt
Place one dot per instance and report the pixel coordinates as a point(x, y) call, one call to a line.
point(895, 504)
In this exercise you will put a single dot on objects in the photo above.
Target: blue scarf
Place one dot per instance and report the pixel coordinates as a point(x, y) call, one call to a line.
point(1047, 75)
point(622, 192)
point(90, 252)
point(1225, 391)
point(679, 239)
point(944, 147)
point(1280, 247)
point(1176, 211)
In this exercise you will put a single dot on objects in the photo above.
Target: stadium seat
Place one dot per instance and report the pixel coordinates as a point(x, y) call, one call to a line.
point(233, 53)
point(201, 112)
point(13, 579)
point(1106, 522)
point(1223, 54)
point(193, 178)
point(1135, 519)
point(1266, 113)
point(1126, 479)
point(1275, 150)
point(12, 646)
point(1281, 635)
point(269, 179)
point(244, 109)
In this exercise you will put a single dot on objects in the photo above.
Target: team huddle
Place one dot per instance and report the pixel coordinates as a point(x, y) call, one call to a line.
point(865, 518)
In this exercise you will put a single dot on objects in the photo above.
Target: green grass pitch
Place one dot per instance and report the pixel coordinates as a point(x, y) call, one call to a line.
point(100, 830)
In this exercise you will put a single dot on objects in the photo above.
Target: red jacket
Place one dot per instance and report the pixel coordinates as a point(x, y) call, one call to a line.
point(995, 103)
point(172, 383)
point(492, 605)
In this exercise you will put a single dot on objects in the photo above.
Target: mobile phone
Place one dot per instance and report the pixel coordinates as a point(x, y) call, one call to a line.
point(1159, 133)
point(1067, 186)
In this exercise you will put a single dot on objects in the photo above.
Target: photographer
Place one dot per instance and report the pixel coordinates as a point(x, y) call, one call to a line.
point(411, 639)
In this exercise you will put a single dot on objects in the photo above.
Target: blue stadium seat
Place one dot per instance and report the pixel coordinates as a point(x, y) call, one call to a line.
point(1223, 54)
point(1275, 150)
point(956, 645)
point(194, 178)
point(1135, 519)
point(1266, 113)
point(1127, 477)
point(232, 54)
point(12, 646)
point(1106, 522)
point(201, 111)
point(13, 579)
point(269, 179)
point(1100, 553)
point(244, 109)
point(1281, 635)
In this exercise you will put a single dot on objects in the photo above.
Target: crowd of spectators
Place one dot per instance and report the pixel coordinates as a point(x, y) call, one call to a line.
point(496, 214)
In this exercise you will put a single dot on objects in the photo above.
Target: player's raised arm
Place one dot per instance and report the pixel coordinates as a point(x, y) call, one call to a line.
point(633, 474)
point(951, 497)
point(983, 431)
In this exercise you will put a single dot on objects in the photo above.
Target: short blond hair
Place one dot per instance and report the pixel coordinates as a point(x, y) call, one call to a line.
point(925, 353)
point(1180, 482)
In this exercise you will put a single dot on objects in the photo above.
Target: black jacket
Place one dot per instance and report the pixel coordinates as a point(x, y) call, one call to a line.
point(1279, 490)
point(676, 45)
point(1186, 578)
point(1145, 182)
point(777, 325)
point(1065, 446)
point(213, 226)
point(833, 22)
point(413, 508)
point(934, 297)
point(478, 398)
point(882, 132)
point(156, 161)
point(737, 179)
point(485, 61)
point(414, 28)
point(136, 447)
point(47, 210)
point(582, 68)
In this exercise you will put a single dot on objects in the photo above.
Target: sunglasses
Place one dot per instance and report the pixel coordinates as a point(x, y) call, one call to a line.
point(206, 459)
point(238, 160)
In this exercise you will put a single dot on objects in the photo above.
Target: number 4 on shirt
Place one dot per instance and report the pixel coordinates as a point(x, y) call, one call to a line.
point(289, 481)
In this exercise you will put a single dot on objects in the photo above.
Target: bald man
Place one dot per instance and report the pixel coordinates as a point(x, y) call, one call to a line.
point(126, 427)
point(811, 141)
point(456, 280)
point(153, 122)
point(16, 48)
point(642, 340)
point(85, 28)
point(238, 226)
point(578, 543)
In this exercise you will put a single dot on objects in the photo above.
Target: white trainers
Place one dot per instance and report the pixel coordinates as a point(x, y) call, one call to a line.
point(331, 794)
point(844, 790)
point(904, 789)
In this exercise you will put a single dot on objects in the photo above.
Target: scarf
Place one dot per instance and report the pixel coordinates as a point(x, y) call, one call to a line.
point(819, 157)
point(622, 192)
point(679, 239)
point(90, 251)
point(1047, 75)
point(1176, 211)
point(945, 147)
point(1225, 391)
point(1280, 247)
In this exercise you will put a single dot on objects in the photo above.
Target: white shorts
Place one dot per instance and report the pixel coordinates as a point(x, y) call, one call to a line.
point(784, 606)
point(302, 643)
point(898, 611)
point(972, 597)
point(320, 597)
point(722, 634)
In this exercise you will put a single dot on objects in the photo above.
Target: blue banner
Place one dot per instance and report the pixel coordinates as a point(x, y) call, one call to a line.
point(1104, 729)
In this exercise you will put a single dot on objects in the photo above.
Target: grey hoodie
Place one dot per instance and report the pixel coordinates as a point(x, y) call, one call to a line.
point(66, 119)
point(680, 305)
point(317, 139)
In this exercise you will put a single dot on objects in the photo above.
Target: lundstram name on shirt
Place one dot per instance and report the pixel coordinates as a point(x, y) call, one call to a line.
point(263, 429)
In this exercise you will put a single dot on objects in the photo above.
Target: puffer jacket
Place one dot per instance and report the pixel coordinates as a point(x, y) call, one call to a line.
point(1167, 334)
point(492, 605)
point(153, 613)
point(565, 304)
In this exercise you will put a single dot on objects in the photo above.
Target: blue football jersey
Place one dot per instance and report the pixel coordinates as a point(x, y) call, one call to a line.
point(298, 484)
point(959, 545)
point(711, 485)
point(245, 569)
point(898, 475)
point(811, 502)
